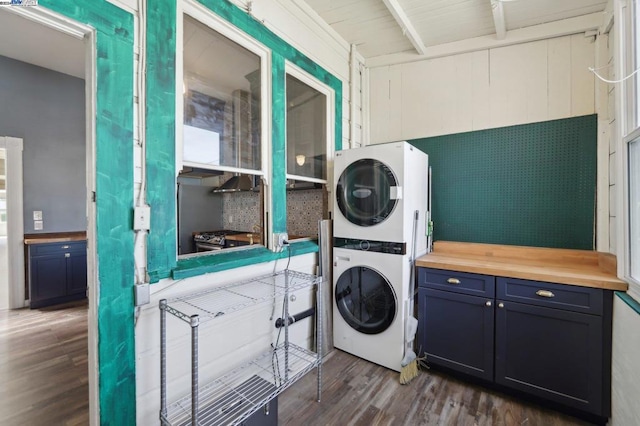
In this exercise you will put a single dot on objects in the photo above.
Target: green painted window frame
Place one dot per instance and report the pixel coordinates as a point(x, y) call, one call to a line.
point(162, 260)
point(114, 34)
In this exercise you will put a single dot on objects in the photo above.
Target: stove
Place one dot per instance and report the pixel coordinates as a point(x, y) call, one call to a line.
point(211, 240)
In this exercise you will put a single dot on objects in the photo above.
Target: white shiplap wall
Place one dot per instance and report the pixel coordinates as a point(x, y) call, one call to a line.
point(524, 83)
point(227, 342)
point(625, 370)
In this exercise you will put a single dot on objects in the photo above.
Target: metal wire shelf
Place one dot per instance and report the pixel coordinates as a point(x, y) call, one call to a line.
point(234, 397)
point(229, 298)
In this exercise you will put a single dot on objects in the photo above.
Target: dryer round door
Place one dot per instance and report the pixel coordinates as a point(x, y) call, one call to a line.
point(365, 192)
point(365, 300)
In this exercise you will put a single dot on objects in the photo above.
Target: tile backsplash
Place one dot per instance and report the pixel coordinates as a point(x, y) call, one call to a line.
point(241, 211)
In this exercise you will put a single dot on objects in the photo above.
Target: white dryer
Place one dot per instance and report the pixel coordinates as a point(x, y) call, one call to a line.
point(370, 302)
point(377, 190)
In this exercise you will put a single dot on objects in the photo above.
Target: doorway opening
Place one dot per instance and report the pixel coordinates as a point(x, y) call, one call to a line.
point(47, 93)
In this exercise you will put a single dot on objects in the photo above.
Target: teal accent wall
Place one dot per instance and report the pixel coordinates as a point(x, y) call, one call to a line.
point(114, 202)
point(532, 184)
point(279, 148)
point(161, 129)
point(162, 252)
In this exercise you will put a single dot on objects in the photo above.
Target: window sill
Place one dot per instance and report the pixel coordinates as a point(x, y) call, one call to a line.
point(200, 265)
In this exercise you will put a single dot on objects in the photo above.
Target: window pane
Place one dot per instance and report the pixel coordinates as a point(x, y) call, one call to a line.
point(219, 207)
point(306, 130)
point(634, 207)
point(221, 100)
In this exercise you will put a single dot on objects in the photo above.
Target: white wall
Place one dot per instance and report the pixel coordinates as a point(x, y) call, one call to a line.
point(226, 342)
point(505, 86)
point(625, 374)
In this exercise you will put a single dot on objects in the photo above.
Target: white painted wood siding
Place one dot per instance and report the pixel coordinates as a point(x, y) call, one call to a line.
point(228, 342)
point(625, 374)
point(525, 83)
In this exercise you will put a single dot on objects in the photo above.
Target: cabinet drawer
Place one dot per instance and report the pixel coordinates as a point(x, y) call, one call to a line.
point(54, 248)
point(560, 296)
point(457, 282)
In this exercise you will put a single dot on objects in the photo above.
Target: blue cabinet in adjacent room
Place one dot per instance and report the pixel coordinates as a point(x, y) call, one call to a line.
point(57, 272)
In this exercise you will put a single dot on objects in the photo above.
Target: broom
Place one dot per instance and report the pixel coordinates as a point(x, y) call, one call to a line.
point(409, 364)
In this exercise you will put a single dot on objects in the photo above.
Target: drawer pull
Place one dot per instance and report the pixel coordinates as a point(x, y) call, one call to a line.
point(65, 247)
point(545, 293)
point(453, 281)
point(67, 255)
point(488, 303)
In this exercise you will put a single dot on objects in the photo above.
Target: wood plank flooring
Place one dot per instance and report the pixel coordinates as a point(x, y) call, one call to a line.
point(43, 366)
point(359, 393)
point(43, 371)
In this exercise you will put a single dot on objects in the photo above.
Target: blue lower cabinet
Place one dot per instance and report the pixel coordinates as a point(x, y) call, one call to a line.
point(57, 273)
point(550, 341)
point(456, 331)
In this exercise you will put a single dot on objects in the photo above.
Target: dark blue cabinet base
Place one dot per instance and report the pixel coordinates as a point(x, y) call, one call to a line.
point(550, 342)
point(57, 273)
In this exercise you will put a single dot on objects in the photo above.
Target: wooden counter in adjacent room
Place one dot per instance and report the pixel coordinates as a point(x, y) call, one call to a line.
point(563, 266)
point(54, 237)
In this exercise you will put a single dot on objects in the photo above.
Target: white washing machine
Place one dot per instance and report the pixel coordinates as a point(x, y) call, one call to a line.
point(377, 190)
point(370, 302)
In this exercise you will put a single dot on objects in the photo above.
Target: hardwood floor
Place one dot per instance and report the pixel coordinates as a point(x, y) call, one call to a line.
point(359, 393)
point(43, 370)
point(43, 366)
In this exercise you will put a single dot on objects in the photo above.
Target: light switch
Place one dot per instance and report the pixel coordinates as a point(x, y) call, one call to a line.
point(37, 215)
point(38, 225)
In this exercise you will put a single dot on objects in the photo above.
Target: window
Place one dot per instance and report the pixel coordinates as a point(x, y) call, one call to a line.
point(631, 130)
point(308, 141)
point(634, 209)
point(220, 196)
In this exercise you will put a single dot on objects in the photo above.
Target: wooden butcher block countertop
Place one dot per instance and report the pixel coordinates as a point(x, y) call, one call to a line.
point(564, 266)
point(54, 237)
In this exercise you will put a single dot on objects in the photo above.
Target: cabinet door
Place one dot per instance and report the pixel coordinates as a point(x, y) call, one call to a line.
point(550, 353)
point(456, 331)
point(77, 273)
point(48, 278)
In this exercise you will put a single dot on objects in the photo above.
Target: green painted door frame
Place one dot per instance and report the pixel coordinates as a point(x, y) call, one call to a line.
point(114, 201)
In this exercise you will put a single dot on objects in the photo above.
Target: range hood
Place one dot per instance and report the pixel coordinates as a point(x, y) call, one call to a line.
point(235, 183)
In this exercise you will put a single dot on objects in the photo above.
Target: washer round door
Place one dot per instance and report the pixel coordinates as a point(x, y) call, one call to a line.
point(364, 192)
point(365, 299)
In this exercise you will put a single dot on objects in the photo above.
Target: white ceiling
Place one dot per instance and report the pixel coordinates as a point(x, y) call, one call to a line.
point(37, 44)
point(369, 24)
point(372, 27)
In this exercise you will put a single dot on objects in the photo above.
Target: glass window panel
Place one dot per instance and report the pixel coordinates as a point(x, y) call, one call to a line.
point(220, 197)
point(221, 100)
point(306, 130)
point(634, 207)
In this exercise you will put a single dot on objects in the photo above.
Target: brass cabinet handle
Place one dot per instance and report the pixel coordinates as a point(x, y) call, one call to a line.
point(500, 305)
point(488, 303)
point(545, 293)
point(453, 281)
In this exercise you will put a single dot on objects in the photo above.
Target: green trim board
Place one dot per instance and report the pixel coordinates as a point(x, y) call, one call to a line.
point(161, 92)
point(199, 265)
point(531, 184)
point(114, 203)
point(630, 301)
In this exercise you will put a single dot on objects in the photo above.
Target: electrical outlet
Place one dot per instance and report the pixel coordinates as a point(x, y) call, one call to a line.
point(142, 218)
point(280, 239)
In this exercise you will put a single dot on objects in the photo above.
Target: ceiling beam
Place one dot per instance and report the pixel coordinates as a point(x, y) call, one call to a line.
point(407, 28)
point(578, 24)
point(498, 19)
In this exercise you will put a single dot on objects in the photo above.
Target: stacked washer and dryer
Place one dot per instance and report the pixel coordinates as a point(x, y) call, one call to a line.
point(377, 234)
